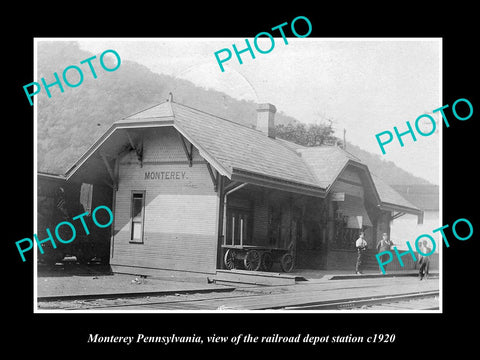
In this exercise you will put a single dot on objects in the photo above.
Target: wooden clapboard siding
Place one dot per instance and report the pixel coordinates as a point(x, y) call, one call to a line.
point(341, 259)
point(260, 219)
point(240, 202)
point(180, 215)
point(164, 145)
point(350, 183)
point(187, 252)
point(348, 174)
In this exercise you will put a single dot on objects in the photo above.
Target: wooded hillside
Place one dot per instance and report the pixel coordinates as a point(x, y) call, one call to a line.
point(69, 122)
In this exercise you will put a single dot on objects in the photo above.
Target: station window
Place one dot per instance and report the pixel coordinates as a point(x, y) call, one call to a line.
point(137, 216)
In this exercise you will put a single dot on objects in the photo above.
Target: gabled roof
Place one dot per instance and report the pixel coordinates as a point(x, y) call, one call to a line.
point(326, 162)
point(391, 198)
point(425, 197)
point(239, 147)
point(157, 112)
point(238, 152)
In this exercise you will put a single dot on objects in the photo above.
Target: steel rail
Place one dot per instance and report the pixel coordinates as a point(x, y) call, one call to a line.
point(340, 304)
point(353, 303)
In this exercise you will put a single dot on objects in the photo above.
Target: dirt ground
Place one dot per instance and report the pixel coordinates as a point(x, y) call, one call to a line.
point(84, 281)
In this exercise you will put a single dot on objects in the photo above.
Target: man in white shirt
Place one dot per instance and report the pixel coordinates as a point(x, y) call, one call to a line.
point(361, 245)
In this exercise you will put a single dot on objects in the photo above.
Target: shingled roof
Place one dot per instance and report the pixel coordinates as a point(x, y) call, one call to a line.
point(241, 148)
point(389, 196)
point(423, 196)
point(326, 162)
point(235, 150)
point(240, 152)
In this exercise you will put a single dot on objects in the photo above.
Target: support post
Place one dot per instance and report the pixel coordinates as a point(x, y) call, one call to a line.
point(188, 152)
point(109, 169)
point(397, 215)
point(138, 148)
point(225, 194)
point(130, 140)
point(220, 235)
point(213, 177)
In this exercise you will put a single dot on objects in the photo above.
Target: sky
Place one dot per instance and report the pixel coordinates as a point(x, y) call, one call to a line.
point(365, 86)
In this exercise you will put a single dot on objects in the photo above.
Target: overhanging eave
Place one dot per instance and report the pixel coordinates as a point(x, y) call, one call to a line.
point(111, 143)
point(277, 183)
point(393, 207)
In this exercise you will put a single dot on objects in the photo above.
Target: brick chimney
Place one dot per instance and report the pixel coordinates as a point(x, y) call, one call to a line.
point(266, 119)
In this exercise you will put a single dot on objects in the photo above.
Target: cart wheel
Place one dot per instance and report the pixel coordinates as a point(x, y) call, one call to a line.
point(286, 262)
point(267, 261)
point(252, 260)
point(229, 259)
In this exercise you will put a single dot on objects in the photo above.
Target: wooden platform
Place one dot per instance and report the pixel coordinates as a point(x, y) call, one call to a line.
point(255, 277)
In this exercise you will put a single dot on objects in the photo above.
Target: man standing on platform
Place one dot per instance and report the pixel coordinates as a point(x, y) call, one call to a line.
point(384, 245)
point(361, 245)
point(424, 261)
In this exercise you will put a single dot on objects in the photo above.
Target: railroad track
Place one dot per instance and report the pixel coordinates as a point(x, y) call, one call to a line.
point(377, 302)
point(424, 300)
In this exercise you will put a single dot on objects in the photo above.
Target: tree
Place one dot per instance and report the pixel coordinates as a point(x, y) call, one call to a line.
point(313, 135)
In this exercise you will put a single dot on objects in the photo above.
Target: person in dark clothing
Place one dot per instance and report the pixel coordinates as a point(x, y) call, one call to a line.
point(384, 245)
point(361, 245)
point(423, 261)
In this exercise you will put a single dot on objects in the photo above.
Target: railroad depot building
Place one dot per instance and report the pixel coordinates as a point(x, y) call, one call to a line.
point(191, 191)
